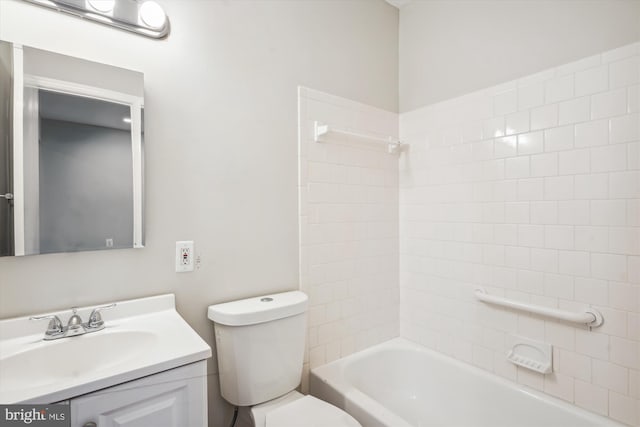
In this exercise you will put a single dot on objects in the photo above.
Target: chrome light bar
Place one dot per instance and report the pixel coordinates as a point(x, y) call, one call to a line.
point(145, 17)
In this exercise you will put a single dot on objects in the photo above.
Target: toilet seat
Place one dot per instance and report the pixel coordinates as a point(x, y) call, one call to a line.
point(309, 411)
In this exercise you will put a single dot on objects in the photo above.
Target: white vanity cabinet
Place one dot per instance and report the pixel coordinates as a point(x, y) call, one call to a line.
point(174, 398)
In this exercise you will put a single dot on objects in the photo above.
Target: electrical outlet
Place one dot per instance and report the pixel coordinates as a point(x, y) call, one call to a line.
point(184, 256)
point(108, 242)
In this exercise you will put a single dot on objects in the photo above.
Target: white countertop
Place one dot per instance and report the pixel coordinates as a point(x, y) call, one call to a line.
point(141, 337)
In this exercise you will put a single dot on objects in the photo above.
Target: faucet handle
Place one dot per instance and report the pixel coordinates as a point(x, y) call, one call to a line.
point(95, 319)
point(55, 325)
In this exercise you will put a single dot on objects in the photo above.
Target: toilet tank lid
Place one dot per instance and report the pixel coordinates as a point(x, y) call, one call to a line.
point(260, 309)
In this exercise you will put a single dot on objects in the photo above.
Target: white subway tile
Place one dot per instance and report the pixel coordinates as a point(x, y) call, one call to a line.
point(531, 189)
point(574, 364)
point(560, 335)
point(616, 323)
point(574, 263)
point(530, 96)
point(579, 65)
point(574, 111)
point(531, 236)
point(592, 344)
point(608, 212)
point(530, 143)
point(505, 103)
point(558, 188)
point(625, 129)
point(559, 385)
point(593, 239)
point(505, 234)
point(558, 286)
point(624, 73)
point(545, 117)
point(545, 260)
point(592, 81)
point(591, 398)
point(544, 212)
point(609, 266)
point(610, 376)
point(624, 409)
point(624, 240)
point(621, 52)
point(519, 257)
point(482, 150)
point(591, 291)
point(494, 128)
point(633, 269)
point(574, 212)
point(625, 352)
point(624, 296)
point(574, 162)
point(505, 147)
point(633, 156)
point(517, 123)
point(594, 186)
point(559, 89)
point(560, 138)
point(558, 236)
point(591, 134)
point(517, 212)
point(544, 164)
point(634, 384)
point(531, 282)
point(607, 104)
point(517, 167)
point(530, 378)
point(633, 99)
point(493, 170)
point(609, 158)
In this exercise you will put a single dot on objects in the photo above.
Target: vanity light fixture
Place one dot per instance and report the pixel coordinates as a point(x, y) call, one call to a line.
point(144, 17)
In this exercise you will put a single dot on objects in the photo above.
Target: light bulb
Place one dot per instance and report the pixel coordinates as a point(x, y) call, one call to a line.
point(152, 14)
point(104, 6)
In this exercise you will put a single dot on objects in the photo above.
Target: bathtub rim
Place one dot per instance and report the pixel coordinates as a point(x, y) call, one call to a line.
point(332, 376)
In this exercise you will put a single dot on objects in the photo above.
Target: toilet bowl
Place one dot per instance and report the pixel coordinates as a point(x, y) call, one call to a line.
point(260, 347)
point(295, 410)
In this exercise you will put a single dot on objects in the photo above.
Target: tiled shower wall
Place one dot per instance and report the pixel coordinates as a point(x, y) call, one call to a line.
point(348, 195)
point(532, 190)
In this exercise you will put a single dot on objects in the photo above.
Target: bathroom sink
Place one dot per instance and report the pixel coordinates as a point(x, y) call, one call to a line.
point(56, 361)
point(141, 337)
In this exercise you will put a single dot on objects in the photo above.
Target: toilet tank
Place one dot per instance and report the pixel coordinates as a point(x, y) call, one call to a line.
point(260, 346)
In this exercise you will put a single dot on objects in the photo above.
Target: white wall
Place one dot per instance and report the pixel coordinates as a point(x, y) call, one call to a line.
point(221, 158)
point(532, 190)
point(348, 206)
point(452, 47)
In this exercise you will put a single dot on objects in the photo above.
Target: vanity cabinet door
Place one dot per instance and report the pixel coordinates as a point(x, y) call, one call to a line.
point(174, 398)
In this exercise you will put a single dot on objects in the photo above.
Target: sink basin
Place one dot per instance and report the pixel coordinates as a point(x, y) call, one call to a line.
point(62, 360)
point(141, 337)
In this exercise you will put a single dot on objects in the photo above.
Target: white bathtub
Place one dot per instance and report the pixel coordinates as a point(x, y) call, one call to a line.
point(402, 384)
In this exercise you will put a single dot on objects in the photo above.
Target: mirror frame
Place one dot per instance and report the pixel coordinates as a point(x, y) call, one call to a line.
point(22, 81)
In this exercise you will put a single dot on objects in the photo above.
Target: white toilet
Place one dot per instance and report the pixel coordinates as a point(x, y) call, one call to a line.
point(260, 346)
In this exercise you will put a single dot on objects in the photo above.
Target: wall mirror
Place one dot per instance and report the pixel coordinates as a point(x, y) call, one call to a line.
point(71, 154)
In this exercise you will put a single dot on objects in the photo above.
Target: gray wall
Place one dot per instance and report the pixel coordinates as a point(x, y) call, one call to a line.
point(220, 145)
point(79, 214)
point(6, 210)
point(452, 47)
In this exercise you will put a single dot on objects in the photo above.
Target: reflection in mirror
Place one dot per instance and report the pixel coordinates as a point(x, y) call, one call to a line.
point(85, 193)
point(75, 150)
point(6, 173)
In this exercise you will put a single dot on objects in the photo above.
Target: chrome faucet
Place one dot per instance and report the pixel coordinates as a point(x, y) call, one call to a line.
point(75, 326)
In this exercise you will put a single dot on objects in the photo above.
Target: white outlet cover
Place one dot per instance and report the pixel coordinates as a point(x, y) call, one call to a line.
point(184, 256)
